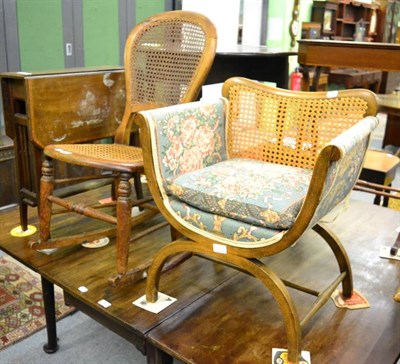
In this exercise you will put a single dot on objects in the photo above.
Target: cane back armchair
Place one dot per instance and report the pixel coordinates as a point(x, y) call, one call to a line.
point(167, 58)
point(244, 176)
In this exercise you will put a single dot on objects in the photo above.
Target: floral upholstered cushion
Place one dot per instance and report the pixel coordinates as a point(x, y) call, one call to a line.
point(225, 227)
point(255, 192)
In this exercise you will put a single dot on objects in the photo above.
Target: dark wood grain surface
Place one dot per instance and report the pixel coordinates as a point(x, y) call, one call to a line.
point(330, 53)
point(238, 322)
point(73, 267)
point(222, 316)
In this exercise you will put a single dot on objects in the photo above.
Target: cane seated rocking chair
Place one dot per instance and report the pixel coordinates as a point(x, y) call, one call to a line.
point(244, 176)
point(167, 58)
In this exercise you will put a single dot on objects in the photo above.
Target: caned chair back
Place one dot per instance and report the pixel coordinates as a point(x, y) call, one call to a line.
point(290, 128)
point(167, 58)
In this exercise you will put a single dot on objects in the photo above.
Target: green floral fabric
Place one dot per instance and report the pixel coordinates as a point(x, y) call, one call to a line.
point(241, 200)
point(224, 227)
point(190, 137)
point(255, 192)
point(343, 174)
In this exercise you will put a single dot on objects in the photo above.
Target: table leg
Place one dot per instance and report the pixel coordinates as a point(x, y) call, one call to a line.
point(50, 313)
point(157, 356)
point(317, 74)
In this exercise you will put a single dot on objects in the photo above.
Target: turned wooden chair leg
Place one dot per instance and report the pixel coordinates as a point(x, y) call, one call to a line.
point(23, 214)
point(138, 186)
point(45, 206)
point(124, 207)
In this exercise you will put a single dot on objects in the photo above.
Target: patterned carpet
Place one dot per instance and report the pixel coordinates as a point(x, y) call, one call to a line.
point(21, 304)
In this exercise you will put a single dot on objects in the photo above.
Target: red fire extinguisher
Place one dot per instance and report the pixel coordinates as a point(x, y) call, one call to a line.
point(295, 80)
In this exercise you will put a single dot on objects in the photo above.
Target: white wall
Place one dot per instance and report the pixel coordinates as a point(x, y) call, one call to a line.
point(252, 11)
point(223, 13)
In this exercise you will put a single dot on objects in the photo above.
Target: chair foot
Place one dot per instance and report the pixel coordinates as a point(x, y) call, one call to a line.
point(130, 277)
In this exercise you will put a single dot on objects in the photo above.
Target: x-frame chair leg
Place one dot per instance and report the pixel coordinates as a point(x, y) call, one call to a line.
point(341, 257)
point(251, 266)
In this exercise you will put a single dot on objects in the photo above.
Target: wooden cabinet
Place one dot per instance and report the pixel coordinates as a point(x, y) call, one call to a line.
point(340, 19)
point(324, 12)
point(349, 14)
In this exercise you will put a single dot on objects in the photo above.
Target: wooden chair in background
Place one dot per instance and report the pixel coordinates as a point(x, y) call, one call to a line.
point(244, 177)
point(167, 58)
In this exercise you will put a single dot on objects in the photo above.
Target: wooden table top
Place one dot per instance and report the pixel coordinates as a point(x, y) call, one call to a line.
point(389, 102)
point(238, 322)
point(380, 161)
point(223, 316)
point(73, 267)
point(330, 53)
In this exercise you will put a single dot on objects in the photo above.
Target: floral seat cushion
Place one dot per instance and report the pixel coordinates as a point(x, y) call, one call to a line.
point(255, 192)
point(225, 227)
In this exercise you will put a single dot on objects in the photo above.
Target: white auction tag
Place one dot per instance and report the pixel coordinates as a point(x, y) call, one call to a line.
point(163, 301)
point(384, 252)
point(219, 248)
point(331, 94)
point(83, 289)
point(279, 356)
point(104, 303)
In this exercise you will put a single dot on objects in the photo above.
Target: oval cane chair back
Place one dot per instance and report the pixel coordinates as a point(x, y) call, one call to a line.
point(167, 59)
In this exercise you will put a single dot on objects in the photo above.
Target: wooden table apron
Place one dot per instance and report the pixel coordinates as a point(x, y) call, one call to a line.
point(329, 53)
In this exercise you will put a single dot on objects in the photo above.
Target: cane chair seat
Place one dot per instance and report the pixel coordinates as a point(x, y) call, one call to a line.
point(167, 59)
point(116, 157)
point(244, 176)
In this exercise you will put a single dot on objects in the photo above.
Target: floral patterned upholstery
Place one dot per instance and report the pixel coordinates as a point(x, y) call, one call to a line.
point(222, 226)
point(255, 192)
point(343, 174)
point(190, 137)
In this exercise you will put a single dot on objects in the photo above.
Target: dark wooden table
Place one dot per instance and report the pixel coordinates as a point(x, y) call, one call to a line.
point(330, 53)
point(221, 315)
point(238, 321)
point(356, 78)
point(254, 62)
point(74, 267)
